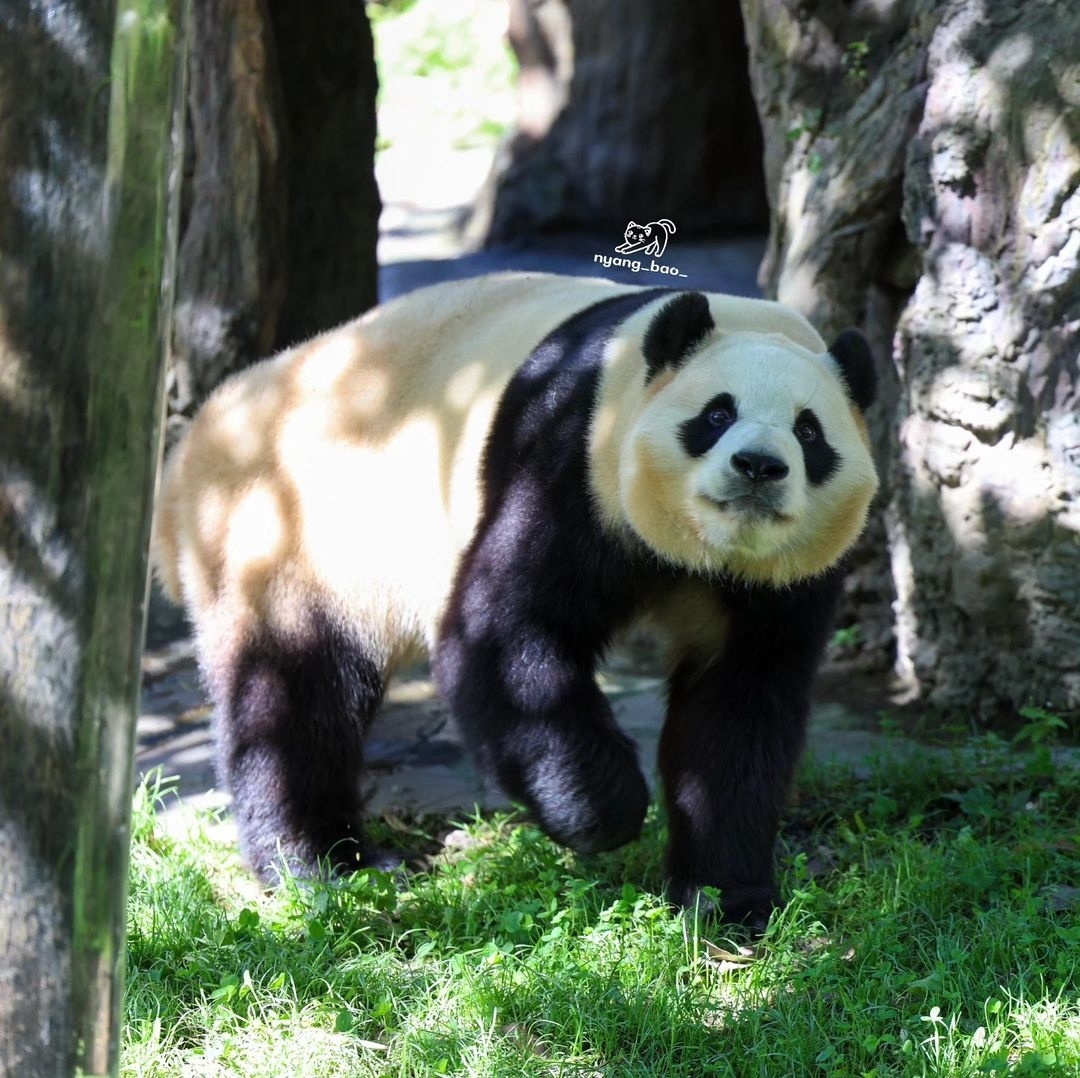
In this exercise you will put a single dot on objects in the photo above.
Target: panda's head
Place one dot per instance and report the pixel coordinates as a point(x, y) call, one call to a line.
point(748, 453)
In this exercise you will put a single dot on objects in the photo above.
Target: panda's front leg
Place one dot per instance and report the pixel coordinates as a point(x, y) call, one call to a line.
point(529, 709)
point(734, 731)
point(727, 754)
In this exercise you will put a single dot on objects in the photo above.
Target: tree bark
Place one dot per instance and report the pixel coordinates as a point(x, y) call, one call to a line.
point(326, 66)
point(922, 168)
point(840, 92)
point(281, 206)
point(231, 265)
point(89, 92)
point(656, 120)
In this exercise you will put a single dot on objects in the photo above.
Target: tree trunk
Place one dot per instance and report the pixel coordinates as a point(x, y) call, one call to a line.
point(84, 234)
point(656, 120)
point(326, 66)
point(231, 267)
point(281, 207)
point(922, 169)
point(840, 98)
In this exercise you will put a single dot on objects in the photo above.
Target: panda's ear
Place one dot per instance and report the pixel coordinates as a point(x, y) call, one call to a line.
point(852, 353)
point(675, 331)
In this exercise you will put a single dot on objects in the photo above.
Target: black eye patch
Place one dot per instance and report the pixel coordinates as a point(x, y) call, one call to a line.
point(821, 460)
point(698, 435)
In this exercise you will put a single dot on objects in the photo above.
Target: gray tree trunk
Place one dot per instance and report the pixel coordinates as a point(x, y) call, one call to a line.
point(923, 171)
point(281, 207)
point(85, 150)
point(646, 112)
point(231, 267)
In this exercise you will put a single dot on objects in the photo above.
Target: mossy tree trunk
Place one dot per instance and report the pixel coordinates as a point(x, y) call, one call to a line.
point(628, 111)
point(86, 147)
point(281, 208)
point(923, 169)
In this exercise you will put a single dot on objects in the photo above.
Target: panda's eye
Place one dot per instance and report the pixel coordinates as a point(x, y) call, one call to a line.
point(709, 424)
point(720, 411)
point(806, 429)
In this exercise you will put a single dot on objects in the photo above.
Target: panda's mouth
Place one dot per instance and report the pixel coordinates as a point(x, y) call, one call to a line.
point(749, 506)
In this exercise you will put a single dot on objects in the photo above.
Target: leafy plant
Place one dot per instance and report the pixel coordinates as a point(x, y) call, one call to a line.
point(1041, 732)
point(853, 60)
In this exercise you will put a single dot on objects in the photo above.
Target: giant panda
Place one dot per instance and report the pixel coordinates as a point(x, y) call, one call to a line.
point(504, 472)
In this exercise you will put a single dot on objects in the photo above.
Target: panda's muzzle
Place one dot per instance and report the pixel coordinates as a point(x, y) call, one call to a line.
point(754, 486)
point(749, 504)
point(758, 467)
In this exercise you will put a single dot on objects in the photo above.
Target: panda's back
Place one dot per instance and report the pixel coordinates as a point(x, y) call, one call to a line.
point(344, 473)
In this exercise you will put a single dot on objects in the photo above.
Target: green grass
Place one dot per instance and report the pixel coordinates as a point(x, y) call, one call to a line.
point(930, 929)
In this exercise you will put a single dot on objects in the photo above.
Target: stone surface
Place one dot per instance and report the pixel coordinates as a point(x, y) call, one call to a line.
point(923, 163)
point(985, 516)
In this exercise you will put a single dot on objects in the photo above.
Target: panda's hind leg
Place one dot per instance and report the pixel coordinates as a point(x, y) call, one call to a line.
point(293, 707)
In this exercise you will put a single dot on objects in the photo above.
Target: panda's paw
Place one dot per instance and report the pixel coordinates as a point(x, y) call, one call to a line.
point(341, 859)
point(390, 859)
point(748, 906)
point(602, 810)
point(348, 857)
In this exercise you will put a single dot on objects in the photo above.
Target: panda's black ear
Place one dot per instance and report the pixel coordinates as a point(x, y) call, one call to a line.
point(851, 350)
point(675, 331)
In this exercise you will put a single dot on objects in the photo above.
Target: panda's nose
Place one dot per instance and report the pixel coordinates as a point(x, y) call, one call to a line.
point(759, 467)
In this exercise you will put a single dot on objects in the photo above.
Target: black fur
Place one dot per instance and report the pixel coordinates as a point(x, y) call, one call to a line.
point(734, 730)
point(852, 353)
point(698, 435)
point(675, 331)
point(292, 714)
point(539, 594)
point(821, 460)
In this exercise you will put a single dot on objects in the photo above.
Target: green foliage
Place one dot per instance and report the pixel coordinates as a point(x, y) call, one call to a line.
point(379, 10)
point(807, 129)
point(1041, 732)
point(854, 60)
point(848, 637)
point(809, 124)
point(446, 75)
point(929, 928)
